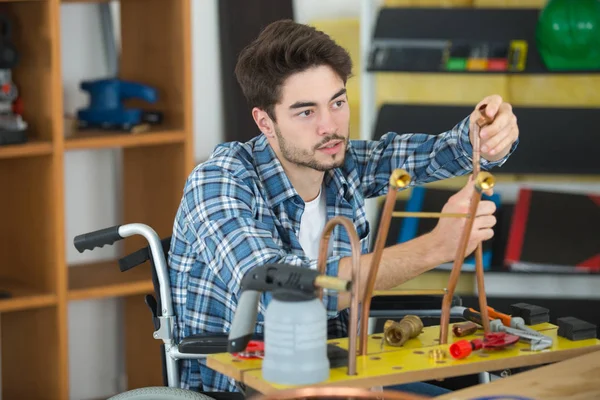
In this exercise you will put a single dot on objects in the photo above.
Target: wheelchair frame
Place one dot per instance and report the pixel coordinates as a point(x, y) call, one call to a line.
point(164, 315)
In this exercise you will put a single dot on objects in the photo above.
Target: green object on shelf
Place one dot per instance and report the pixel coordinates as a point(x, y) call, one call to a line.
point(456, 64)
point(568, 35)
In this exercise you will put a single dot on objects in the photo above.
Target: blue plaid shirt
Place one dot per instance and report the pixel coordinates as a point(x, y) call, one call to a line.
point(239, 210)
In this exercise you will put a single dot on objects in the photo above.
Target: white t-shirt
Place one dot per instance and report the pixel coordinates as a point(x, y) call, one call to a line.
point(312, 223)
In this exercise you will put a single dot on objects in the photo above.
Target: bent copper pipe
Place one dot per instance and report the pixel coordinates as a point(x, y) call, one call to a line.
point(398, 179)
point(354, 292)
point(324, 392)
point(484, 181)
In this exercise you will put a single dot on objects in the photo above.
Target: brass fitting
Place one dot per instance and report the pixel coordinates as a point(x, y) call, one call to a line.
point(397, 333)
point(437, 355)
point(484, 181)
point(399, 178)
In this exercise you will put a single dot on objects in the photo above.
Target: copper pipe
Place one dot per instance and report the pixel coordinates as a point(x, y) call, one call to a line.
point(398, 179)
point(475, 128)
point(483, 308)
point(333, 392)
point(355, 290)
point(419, 214)
point(464, 329)
point(481, 122)
point(483, 181)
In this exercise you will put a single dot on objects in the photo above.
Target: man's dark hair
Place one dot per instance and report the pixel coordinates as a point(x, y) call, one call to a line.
point(283, 48)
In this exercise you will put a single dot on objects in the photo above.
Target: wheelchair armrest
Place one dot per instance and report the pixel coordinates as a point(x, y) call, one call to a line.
point(207, 343)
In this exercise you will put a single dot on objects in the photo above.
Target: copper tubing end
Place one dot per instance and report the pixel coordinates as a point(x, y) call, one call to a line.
point(464, 329)
point(399, 178)
point(484, 181)
point(483, 119)
point(333, 283)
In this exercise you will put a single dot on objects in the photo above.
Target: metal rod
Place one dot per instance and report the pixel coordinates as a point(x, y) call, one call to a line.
point(355, 290)
point(398, 179)
point(422, 214)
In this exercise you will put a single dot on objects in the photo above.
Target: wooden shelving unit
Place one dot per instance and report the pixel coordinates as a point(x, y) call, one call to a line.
point(155, 50)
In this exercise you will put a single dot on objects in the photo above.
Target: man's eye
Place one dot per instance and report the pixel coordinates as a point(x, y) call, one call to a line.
point(305, 113)
point(339, 103)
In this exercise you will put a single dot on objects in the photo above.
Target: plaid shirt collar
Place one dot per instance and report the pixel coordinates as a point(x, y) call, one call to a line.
point(279, 191)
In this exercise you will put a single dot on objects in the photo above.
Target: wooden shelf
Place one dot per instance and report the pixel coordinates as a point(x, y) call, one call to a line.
point(23, 297)
point(34, 212)
point(29, 149)
point(96, 139)
point(105, 279)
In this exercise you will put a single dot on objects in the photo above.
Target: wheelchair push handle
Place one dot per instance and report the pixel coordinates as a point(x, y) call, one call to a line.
point(99, 238)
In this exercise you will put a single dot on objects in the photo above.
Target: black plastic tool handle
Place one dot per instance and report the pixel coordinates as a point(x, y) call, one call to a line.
point(99, 238)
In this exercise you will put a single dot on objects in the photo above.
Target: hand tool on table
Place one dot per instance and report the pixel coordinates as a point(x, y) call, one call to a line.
point(537, 340)
point(295, 321)
point(516, 327)
point(492, 341)
point(483, 181)
point(515, 322)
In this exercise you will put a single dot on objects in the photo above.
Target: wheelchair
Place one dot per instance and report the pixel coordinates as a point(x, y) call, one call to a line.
point(390, 305)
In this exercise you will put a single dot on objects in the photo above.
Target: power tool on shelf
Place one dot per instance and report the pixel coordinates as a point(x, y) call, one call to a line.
point(295, 322)
point(13, 129)
point(106, 110)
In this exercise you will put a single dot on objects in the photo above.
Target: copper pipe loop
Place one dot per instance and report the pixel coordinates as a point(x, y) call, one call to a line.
point(354, 292)
point(326, 392)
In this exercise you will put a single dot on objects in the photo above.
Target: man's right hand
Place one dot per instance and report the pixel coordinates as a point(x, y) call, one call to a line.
point(448, 231)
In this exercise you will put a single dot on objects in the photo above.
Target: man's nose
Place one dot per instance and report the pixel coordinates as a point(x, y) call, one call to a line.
point(326, 123)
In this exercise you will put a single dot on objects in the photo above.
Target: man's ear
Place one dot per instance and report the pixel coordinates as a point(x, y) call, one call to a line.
point(263, 121)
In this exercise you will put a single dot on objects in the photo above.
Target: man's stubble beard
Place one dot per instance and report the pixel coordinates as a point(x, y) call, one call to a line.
point(306, 159)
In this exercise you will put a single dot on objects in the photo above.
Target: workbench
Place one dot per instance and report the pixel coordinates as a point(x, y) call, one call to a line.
point(577, 378)
point(385, 365)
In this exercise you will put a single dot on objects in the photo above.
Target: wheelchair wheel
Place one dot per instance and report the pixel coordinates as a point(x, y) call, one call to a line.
point(160, 393)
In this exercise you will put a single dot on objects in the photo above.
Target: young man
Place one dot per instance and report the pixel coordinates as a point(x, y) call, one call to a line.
point(267, 200)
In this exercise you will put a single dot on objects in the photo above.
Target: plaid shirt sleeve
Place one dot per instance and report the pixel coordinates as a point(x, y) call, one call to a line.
point(425, 157)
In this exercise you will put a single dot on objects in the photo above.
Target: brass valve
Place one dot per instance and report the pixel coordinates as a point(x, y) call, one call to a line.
point(397, 333)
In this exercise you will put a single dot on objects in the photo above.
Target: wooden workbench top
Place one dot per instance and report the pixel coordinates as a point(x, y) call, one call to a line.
point(575, 379)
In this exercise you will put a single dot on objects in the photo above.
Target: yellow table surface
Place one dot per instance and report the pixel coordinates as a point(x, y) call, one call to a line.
point(387, 365)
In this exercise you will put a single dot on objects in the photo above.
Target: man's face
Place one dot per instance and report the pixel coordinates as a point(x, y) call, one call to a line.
point(312, 119)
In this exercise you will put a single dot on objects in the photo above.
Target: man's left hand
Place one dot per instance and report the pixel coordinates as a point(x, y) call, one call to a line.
point(497, 137)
